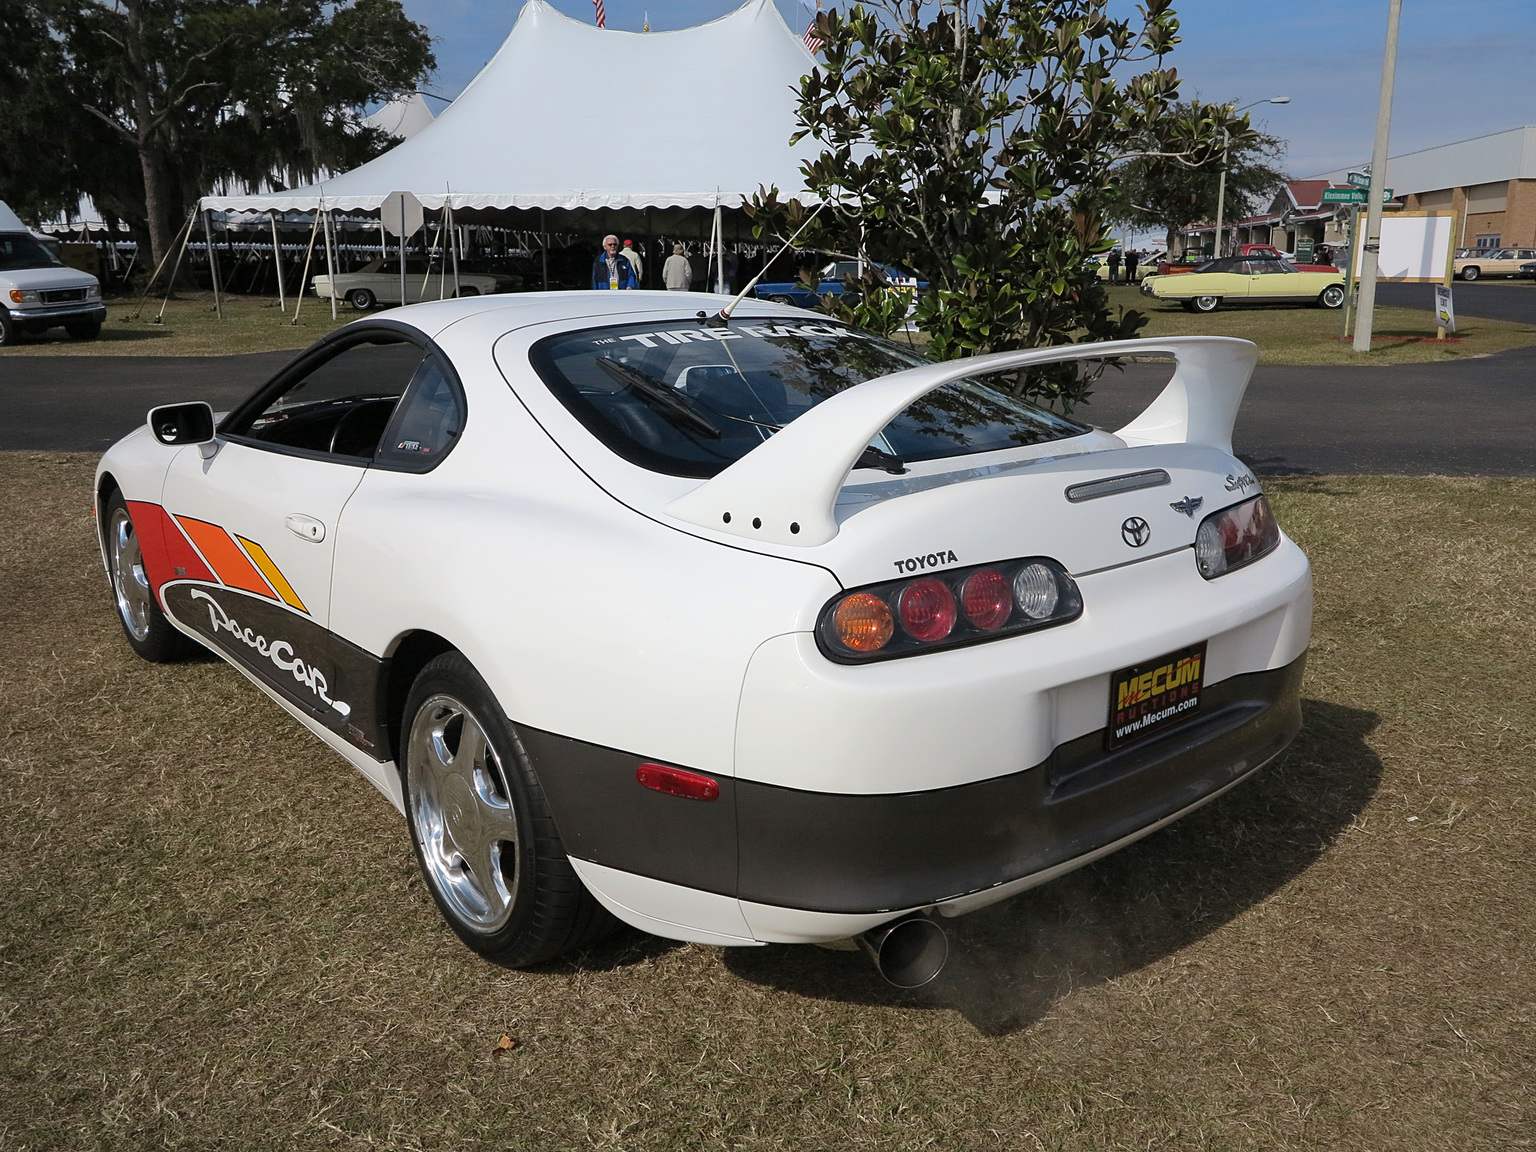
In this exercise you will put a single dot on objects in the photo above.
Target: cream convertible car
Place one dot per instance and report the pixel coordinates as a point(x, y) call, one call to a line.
point(1233, 280)
point(746, 631)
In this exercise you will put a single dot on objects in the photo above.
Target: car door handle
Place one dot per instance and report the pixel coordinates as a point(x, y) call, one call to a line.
point(305, 527)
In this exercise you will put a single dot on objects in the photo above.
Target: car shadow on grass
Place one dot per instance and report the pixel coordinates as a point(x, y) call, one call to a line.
point(1009, 963)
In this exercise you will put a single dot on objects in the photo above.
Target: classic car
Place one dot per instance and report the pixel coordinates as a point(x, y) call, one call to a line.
point(1233, 280)
point(740, 629)
point(1481, 262)
point(378, 282)
point(830, 282)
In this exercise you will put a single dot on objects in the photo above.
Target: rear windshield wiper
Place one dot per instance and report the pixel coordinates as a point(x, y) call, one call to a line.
point(669, 398)
point(873, 457)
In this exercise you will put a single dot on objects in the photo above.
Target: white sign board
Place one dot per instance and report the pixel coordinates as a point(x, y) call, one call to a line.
point(1445, 312)
point(401, 214)
point(1415, 248)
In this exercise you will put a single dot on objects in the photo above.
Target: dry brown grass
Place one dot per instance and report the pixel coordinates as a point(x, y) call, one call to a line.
point(213, 936)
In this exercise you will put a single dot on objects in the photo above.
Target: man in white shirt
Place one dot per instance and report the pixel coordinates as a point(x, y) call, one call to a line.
point(677, 273)
point(632, 254)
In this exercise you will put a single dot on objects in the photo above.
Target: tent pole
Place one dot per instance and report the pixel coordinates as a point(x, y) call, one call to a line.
point(277, 263)
point(330, 265)
point(453, 243)
point(544, 245)
point(213, 264)
point(304, 276)
point(182, 235)
point(714, 239)
point(427, 275)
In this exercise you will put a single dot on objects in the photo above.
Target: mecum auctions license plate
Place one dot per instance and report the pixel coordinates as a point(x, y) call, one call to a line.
point(1154, 696)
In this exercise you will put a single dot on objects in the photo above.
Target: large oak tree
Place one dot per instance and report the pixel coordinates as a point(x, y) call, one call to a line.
point(148, 104)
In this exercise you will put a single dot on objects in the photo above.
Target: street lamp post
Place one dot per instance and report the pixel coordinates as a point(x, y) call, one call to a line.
point(1221, 189)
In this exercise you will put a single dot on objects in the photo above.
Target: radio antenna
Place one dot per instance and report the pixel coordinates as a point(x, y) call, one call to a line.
point(725, 313)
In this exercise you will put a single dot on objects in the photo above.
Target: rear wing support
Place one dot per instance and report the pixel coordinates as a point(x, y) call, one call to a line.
point(784, 490)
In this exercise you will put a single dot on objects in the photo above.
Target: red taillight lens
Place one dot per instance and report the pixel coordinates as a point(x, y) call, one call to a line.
point(987, 599)
point(927, 609)
point(676, 782)
point(1235, 536)
point(863, 623)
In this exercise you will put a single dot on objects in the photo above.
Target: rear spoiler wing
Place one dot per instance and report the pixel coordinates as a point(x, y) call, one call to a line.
point(784, 490)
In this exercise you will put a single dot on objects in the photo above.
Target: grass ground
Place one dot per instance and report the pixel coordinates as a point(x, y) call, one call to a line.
point(1287, 335)
point(1284, 335)
point(213, 935)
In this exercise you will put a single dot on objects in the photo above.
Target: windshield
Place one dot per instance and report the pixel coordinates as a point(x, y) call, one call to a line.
point(19, 250)
point(687, 399)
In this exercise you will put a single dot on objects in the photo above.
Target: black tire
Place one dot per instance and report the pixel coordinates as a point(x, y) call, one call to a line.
point(147, 630)
point(1188, 306)
point(519, 901)
point(1331, 296)
point(361, 299)
point(84, 329)
point(1205, 303)
point(8, 331)
point(465, 293)
point(1470, 272)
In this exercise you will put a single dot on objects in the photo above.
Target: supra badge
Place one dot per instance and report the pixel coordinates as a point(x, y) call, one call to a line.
point(1189, 505)
point(1135, 531)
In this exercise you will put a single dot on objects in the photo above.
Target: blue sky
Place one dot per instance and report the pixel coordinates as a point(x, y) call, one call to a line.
point(1464, 68)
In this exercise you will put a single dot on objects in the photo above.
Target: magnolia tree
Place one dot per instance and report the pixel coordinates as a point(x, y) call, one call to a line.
point(977, 142)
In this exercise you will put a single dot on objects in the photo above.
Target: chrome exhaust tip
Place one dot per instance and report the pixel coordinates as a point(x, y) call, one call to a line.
point(908, 952)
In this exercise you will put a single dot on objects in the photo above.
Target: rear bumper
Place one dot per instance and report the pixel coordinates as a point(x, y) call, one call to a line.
point(818, 861)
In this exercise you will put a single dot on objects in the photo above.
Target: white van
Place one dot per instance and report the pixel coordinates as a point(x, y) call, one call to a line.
point(38, 292)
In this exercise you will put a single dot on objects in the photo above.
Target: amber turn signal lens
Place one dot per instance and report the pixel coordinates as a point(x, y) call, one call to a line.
point(863, 623)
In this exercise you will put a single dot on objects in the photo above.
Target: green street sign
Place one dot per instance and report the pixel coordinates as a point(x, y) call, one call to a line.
point(1359, 179)
point(1352, 195)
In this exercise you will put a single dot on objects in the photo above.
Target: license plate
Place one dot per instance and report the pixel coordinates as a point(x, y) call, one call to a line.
point(1154, 696)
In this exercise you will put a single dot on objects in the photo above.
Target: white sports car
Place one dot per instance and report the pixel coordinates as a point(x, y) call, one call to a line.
point(745, 631)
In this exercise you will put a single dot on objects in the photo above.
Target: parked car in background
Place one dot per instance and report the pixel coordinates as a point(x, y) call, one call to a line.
point(38, 292)
point(1145, 267)
point(830, 283)
point(1233, 280)
point(1492, 262)
point(1528, 270)
point(378, 282)
point(1262, 251)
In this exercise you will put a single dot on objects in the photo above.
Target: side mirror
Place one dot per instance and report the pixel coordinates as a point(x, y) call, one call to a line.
point(182, 423)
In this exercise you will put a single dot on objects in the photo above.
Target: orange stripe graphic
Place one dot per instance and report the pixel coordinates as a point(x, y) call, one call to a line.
point(225, 557)
point(273, 575)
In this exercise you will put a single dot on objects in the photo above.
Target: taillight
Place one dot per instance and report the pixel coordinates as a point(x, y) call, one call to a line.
point(947, 610)
point(927, 609)
point(1235, 536)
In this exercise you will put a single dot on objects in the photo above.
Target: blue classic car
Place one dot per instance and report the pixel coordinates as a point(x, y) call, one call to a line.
point(831, 277)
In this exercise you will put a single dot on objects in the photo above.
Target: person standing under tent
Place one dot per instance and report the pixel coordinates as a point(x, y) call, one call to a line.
point(677, 273)
point(632, 254)
point(610, 270)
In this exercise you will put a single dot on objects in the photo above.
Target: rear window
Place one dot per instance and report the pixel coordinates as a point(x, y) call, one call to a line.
point(688, 400)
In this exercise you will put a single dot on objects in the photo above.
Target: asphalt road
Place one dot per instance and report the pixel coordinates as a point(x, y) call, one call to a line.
point(1474, 417)
point(1492, 300)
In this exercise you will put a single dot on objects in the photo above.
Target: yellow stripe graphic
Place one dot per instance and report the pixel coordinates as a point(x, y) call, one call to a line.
point(270, 571)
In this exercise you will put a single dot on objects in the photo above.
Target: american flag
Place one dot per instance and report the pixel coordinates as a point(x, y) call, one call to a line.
point(602, 17)
point(813, 42)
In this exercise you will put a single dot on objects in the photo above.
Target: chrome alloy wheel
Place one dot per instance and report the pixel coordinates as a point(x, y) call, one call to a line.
point(464, 819)
point(130, 585)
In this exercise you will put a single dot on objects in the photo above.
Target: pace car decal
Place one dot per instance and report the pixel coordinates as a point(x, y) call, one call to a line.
point(279, 652)
point(183, 547)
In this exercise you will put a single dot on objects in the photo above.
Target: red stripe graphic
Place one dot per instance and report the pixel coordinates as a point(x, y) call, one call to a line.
point(167, 554)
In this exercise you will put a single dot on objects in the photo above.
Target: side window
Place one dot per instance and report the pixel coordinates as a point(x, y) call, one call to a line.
point(342, 405)
point(429, 421)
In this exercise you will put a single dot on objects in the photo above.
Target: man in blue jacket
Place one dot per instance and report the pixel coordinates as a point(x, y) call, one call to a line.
point(610, 270)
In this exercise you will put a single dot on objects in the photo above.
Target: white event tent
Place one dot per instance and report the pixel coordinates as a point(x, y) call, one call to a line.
point(570, 116)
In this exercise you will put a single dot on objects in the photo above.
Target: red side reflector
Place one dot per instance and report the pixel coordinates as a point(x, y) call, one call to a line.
point(676, 782)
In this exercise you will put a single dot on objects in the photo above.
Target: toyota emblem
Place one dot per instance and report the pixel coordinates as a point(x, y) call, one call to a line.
point(1135, 531)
